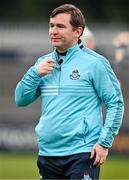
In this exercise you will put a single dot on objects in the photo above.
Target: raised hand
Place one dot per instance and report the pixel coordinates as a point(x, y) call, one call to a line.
point(45, 67)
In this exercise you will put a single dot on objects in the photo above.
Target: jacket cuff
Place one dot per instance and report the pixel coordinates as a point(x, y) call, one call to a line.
point(106, 143)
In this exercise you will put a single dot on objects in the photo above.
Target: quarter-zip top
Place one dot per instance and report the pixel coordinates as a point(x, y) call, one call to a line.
point(71, 121)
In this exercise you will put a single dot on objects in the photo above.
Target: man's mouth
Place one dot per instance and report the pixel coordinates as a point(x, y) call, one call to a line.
point(53, 38)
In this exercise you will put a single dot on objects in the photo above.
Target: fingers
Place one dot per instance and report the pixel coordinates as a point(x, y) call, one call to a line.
point(102, 160)
point(92, 153)
point(98, 161)
point(99, 153)
point(45, 67)
point(50, 61)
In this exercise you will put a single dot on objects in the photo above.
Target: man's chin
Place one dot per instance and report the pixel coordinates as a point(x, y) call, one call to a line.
point(56, 45)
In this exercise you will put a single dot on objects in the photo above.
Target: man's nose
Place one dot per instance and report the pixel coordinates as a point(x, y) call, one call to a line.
point(54, 30)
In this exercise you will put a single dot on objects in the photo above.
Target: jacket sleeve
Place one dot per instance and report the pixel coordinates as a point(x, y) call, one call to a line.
point(27, 90)
point(108, 89)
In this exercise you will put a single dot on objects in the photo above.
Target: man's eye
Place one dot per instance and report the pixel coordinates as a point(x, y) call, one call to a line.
point(61, 26)
point(51, 25)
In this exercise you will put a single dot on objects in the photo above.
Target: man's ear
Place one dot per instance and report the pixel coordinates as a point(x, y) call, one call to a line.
point(78, 31)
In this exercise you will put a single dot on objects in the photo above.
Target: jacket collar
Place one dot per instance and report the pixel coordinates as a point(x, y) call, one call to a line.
point(70, 52)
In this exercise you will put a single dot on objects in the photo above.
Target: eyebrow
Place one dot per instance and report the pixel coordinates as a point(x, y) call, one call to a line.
point(58, 24)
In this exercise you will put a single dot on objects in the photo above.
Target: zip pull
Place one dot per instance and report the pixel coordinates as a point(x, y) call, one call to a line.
point(60, 61)
point(86, 176)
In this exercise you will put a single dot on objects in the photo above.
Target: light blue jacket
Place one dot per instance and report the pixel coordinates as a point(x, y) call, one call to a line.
point(71, 102)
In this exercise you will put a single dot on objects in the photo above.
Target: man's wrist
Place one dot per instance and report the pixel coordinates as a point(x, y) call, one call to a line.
point(103, 146)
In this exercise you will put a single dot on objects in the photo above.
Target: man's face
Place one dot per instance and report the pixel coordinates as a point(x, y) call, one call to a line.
point(61, 32)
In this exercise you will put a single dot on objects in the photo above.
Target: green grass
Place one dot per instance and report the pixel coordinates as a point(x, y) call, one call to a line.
point(116, 167)
point(18, 166)
point(23, 166)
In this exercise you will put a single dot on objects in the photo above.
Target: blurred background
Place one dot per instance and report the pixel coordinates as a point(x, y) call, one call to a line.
point(23, 39)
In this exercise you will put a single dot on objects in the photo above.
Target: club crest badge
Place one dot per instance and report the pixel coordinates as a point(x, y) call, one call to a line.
point(74, 75)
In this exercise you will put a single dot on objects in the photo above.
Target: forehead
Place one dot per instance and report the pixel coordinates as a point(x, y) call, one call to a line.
point(61, 18)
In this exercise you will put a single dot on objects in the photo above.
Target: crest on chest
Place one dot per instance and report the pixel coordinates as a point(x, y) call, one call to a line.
point(74, 75)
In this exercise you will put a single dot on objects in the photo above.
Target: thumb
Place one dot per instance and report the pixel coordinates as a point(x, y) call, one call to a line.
point(49, 60)
point(92, 153)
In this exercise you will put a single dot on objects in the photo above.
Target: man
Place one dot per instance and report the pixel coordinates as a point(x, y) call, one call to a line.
point(73, 82)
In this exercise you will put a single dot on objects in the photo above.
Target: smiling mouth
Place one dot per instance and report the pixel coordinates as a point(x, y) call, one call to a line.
point(55, 38)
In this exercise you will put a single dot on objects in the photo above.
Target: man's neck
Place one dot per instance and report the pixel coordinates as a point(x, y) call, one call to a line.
point(60, 50)
point(61, 53)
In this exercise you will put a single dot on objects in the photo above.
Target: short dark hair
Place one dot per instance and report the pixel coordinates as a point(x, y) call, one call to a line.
point(77, 18)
